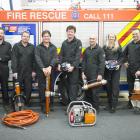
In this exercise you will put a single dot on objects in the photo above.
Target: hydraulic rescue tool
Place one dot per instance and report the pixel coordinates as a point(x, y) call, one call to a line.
point(20, 117)
point(19, 98)
point(135, 98)
point(94, 84)
point(81, 113)
point(48, 93)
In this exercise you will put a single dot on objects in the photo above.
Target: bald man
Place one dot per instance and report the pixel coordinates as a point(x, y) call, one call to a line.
point(93, 65)
point(132, 55)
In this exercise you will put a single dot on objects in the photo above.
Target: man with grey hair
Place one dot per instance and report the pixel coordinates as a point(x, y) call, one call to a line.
point(93, 69)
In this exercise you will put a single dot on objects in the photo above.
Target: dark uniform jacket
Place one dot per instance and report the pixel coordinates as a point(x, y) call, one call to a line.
point(93, 62)
point(23, 59)
point(45, 56)
point(112, 54)
point(132, 55)
point(5, 52)
point(71, 51)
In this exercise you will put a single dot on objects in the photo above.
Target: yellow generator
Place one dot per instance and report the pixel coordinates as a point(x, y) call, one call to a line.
point(81, 113)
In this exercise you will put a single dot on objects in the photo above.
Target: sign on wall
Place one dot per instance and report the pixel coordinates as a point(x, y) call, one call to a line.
point(13, 32)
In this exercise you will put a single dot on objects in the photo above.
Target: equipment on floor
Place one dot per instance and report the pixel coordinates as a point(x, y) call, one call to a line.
point(60, 89)
point(94, 84)
point(20, 119)
point(135, 98)
point(81, 113)
point(48, 93)
point(19, 98)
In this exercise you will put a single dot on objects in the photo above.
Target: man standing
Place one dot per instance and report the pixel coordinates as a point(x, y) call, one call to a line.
point(23, 64)
point(5, 56)
point(46, 58)
point(93, 69)
point(70, 53)
point(131, 54)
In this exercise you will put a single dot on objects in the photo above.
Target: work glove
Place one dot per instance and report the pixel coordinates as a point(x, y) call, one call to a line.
point(137, 74)
point(15, 75)
point(99, 77)
point(33, 74)
point(117, 67)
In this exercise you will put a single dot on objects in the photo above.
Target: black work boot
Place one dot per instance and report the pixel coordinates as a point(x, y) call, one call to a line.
point(112, 110)
point(129, 105)
point(108, 107)
point(43, 108)
point(52, 108)
point(52, 104)
point(6, 106)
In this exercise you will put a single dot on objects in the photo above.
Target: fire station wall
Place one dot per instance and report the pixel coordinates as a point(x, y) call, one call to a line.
point(84, 30)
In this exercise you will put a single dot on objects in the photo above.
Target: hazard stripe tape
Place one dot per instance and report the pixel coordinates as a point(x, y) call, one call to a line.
point(128, 26)
point(128, 39)
point(128, 32)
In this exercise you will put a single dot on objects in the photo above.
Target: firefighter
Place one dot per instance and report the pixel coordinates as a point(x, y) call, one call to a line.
point(46, 59)
point(70, 53)
point(113, 54)
point(93, 69)
point(131, 54)
point(5, 56)
point(23, 64)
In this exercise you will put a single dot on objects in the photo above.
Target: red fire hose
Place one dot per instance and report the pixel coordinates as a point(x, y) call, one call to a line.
point(20, 118)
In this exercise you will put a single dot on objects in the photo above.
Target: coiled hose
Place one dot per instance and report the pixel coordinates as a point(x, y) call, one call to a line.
point(21, 118)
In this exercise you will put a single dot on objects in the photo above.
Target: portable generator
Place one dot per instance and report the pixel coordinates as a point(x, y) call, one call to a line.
point(135, 98)
point(81, 113)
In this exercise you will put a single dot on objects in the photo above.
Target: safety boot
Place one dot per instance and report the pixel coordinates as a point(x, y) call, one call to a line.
point(43, 109)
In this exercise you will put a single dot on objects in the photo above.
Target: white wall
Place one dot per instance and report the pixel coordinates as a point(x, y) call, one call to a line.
point(16, 4)
point(65, 4)
point(84, 30)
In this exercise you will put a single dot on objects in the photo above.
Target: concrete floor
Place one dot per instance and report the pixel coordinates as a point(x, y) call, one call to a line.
point(122, 125)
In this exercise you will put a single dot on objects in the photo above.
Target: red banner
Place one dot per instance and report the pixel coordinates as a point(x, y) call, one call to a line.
point(69, 15)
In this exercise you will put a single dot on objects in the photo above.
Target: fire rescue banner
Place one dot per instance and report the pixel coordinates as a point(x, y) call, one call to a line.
point(69, 15)
point(13, 32)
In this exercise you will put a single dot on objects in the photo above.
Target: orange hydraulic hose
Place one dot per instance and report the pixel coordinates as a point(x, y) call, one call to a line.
point(20, 118)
